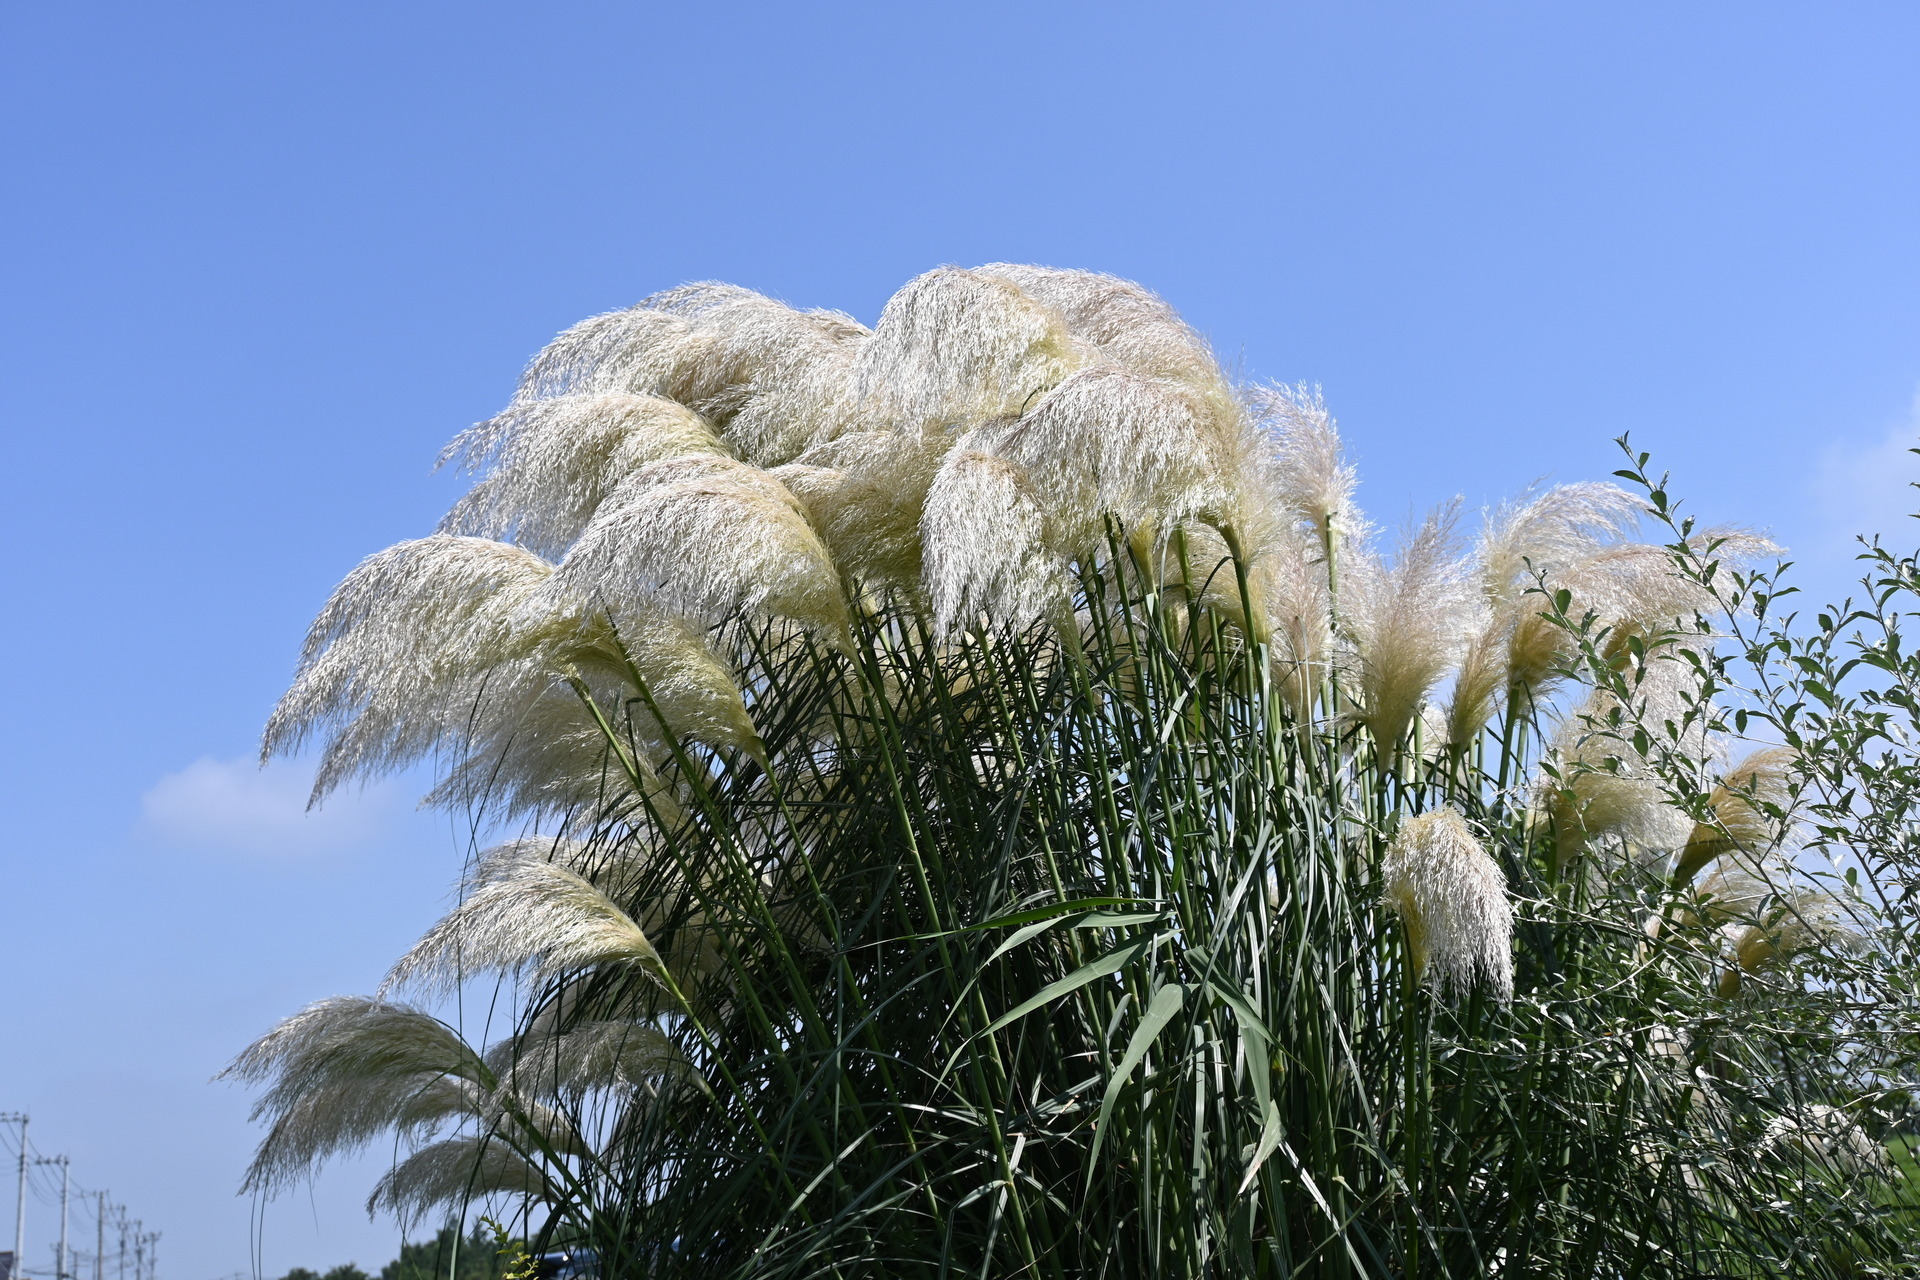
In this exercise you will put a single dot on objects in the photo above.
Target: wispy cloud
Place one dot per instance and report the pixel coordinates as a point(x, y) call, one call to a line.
point(237, 806)
point(1869, 489)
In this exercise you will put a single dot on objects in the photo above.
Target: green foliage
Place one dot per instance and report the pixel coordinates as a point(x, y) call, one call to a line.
point(1070, 951)
point(447, 1256)
point(1069, 959)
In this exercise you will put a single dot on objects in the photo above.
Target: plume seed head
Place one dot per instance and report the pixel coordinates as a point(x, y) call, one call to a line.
point(1452, 898)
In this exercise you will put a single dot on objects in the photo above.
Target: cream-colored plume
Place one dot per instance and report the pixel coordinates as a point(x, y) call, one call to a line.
point(1404, 621)
point(707, 539)
point(1107, 441)
point(1630, 589)
point(1741, 821)
point(1309, 477)
point(683, 936)
point(475, 648)
point(1806, 920)
point(1124, 323)
point(382, 657)
point(986, 549)
point(344, 1070)
point(548, 1061)
point(1734, 892)
point(550, 463)
point(454, 1172)
point(535, 917)
point(865, 493)
point(957, 347)
point(1540, 535)
point(1827, 1135)
point(639, 350)
point(779, 380)
point(1451, 896)
point(1544, 533)
point(775, 380)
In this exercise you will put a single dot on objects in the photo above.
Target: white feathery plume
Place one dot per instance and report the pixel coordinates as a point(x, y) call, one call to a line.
point(344, 1070)
point(1541, 534)
point(1108, 441)
point(1547, 531)
point(378, 659)
point(1289, 577)
point(1630, 588)
point(611, 1053)
point(1129, 328)
point(1125, 323)
point(1309, 477)
point(544, 757)
point(776, 380)
point(1806, 919)
point(865, 493)
point(555, 635)
point(1740, 819)
point(550, 463)
point(1404, 621)
point(534, 917)
point(956, 347)
point(471, 646)
point(453, 1172)
point(684, 938)
point(773, 378)
point(639, 350)
point(708, 539)
point(986, 548)
point(1829, 1136)
point(1451, 896)
point(1735, 892)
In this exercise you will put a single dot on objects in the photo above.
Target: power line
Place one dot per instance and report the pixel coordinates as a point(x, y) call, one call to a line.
point(34, 1171)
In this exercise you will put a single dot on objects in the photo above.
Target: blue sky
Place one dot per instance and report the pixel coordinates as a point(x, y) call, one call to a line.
point(263, 260)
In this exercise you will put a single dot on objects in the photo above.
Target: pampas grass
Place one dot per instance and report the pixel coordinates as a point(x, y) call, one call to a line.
point(978, 798)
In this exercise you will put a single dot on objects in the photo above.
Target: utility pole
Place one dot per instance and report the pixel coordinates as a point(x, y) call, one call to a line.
point(100, 1237)
point(60, 1252)
point(20, 1212)
point(153, 1238)
point(139, 1251)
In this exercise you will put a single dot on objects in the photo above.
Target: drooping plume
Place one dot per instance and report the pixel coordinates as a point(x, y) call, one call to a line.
point(986, 546)
point(1607, 793)
point(1537, 537)
point(865, 493)
point(1451, 896)
point(454, 1172)
point(535, 917)
point(343, 1071)
point(384, 662)
point(550, 463)
point(954, 348)
point(772, 378)
point(707, 539)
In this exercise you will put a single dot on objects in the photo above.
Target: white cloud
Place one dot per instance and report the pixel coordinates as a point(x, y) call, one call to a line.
point(1869, 489)
point(237, 806)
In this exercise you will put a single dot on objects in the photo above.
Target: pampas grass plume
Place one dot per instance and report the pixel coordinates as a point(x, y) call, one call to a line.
point(1451, 896)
